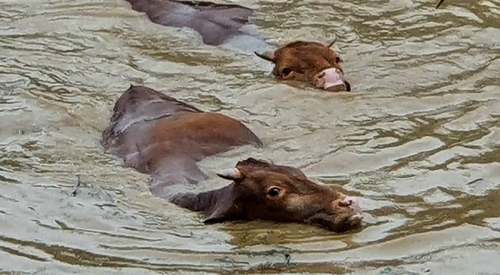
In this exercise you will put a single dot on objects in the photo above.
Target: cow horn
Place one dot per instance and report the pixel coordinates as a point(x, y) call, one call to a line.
point(265, 56)
point(333, 42)
point(231, 174)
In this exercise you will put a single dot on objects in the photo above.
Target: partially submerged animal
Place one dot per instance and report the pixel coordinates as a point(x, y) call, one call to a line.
point(309, 62)
point(161, 136)
point(216, 23)
point(264, 191)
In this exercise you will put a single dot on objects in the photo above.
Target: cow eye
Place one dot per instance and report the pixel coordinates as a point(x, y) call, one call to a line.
point(273, 192)
point(286, 71)
point(338, 59)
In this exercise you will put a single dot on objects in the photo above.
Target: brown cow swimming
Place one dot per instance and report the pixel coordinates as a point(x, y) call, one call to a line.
point(220, 24)
point(309, 62)
point(161, 136)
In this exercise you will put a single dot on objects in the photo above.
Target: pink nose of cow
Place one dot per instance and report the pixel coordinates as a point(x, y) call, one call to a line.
point(349, 201)
point(330, 79)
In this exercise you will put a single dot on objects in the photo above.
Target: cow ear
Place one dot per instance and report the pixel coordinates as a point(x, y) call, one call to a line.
point(231, 174)
point(266, 56)
point(216, 217)
point(223, 212)
point(226, 207)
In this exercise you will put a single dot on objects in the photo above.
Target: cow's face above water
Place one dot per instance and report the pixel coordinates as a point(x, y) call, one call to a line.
point(309, 62)
point(264, 191)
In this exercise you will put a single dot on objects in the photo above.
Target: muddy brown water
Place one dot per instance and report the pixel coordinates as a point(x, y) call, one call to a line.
point(418, 140)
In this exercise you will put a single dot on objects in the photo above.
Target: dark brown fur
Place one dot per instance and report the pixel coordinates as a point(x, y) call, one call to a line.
point(302, 60)
point(250, 197)
point(214, 22)
point(159, 135)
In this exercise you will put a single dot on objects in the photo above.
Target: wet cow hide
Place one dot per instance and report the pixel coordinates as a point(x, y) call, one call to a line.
point(161, 136)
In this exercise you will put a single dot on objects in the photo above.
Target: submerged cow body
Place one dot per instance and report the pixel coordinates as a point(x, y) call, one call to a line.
point(216, 23)
point(161, 136)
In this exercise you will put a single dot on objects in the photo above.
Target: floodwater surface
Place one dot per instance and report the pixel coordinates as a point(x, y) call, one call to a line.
point(418, 139)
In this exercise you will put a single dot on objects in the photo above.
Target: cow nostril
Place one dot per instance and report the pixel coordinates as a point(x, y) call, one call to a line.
point(347, 202)
point(286, 71)
point(321, 75)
